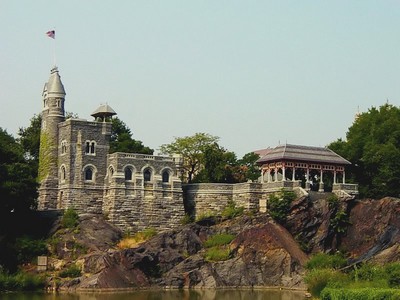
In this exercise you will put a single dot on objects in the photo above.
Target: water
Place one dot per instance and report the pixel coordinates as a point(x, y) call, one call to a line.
point(165, 295)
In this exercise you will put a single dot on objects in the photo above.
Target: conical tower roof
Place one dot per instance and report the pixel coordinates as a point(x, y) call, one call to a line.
point(54, 85)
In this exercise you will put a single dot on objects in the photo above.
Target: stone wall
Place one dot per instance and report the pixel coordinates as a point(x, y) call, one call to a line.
point(134, 203)
point(213, 198)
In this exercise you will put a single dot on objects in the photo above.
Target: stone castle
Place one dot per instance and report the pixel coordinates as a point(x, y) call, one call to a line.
point(136, 191)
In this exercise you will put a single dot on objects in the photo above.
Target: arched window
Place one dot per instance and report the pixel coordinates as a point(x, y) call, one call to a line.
point(63, 173)
point(165, 176)
point(87, 148)
point(89, 174)
point(147, 175)
point(63, 147)
point(92, 148)
point(128, 173)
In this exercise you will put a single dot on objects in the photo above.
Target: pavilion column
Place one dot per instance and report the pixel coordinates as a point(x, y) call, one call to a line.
point(344, 177)
point(268, 175)
point(293, 174)
point(308, 179)
point(283, 174)
point(321, 182)
point(262, 175)
point(276, 174)
point(334, 177)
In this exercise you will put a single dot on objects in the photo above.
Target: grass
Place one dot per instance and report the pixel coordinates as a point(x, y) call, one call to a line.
point(218, 240)
point(217, 247)
point(138, 238)
point(72, 271)
point(21, 282)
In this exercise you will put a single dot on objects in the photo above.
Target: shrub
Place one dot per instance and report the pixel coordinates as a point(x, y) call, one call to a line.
point(393, 273)
point(218, 240)
point(279, 205)
point(21, 282)
point(339, 221)
point(27, 248)
point(187, 219)
point(369, 272)
point(318, 279)
point(206, 215)
point(231, 211)
point(333, 201)
point(326, 261)
point(70, 219)
point(72, 271)
point(360, 294)
point(217, 254)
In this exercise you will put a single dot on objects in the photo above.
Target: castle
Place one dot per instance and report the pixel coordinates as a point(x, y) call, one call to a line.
point(137, 191)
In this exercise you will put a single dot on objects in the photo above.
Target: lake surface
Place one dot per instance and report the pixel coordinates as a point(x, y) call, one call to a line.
point(165, 295)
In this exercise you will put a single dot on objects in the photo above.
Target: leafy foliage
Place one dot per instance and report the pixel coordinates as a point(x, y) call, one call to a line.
point(17, 176)
point(326, 261)
point(70, 218)
point(214, 254)
point(21, 282)
point(231, 211)
point(122, 141)
point(279, 205)
point(373, 146)
point(360, 294)
point(28, 248)
point(191, 149)
point(72, 271)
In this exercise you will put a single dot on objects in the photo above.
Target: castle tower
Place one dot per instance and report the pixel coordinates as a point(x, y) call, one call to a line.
point(52, 114)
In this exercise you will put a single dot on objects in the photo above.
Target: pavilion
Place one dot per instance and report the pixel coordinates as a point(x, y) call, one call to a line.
point(293, 165)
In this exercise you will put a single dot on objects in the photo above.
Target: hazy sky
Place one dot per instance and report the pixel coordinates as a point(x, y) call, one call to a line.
point(254, 73)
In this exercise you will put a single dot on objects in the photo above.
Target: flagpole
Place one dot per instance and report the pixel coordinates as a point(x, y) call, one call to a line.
point(54, 53)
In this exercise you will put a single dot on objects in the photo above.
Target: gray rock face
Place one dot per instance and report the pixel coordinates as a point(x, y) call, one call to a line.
point(261, 255)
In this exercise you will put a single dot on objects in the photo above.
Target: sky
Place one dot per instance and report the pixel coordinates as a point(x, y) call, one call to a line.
point(254, 73)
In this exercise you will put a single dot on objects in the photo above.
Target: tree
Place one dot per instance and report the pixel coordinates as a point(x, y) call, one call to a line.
point(122, 141)
point(373, 146)
point(17, 176)
point(191, 149)
point(219, 166)
point(248, 162)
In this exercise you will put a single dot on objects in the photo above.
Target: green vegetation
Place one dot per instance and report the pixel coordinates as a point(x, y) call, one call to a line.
point(217, 247)
point(231, 211)
point(373, 146)
point(219, 240)
point(28, 248)
point(325, 279)
point(122, 141)
point(72, 271)
point(70, 219)
point(130, 241)
point(21, 282)
point(205, 215)
point(326, 261)
point(187, 219)
point(279, 205)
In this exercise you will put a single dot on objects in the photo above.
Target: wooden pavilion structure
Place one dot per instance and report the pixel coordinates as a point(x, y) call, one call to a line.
point(304, 164)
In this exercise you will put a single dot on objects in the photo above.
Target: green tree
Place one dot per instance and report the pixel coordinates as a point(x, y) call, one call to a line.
point(122, 141)
point(373, 146)
point(191, 149)
point(248, 162)
point(17, 176)
point(219, 166)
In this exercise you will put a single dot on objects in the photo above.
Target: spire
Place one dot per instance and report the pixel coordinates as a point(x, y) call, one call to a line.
point(54, 85)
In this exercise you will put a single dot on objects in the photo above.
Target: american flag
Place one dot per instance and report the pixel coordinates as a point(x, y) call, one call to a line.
point(51, 33)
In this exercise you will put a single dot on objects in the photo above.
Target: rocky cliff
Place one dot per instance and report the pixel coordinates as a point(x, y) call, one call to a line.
point(261, 253)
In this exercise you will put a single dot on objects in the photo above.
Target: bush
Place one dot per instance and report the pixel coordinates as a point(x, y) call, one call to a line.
point(27, 248)
point(369, 272)
point(70, 219)
point(206, 215)
point(231, 211)
point(72, 271)
point(187, 219)
point(393, 273)
point(279, 205)
point(219, 240)
point(318, 279)
point(21, 282)
point(326, 261)
point(217, 254)
point(360, 294)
